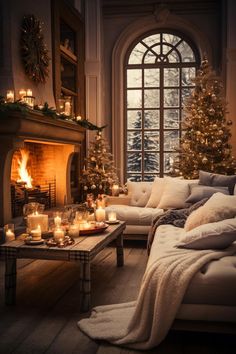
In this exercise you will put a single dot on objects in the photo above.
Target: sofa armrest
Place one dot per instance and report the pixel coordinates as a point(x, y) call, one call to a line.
point(121, 200)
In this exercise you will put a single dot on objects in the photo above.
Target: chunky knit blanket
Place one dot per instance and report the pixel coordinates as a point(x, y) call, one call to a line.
point(143, 324)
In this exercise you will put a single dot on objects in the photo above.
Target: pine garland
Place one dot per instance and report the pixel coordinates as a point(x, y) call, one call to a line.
point(18, 106)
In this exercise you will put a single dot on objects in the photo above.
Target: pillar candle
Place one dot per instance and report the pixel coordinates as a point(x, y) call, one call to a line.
point(22, 94)
point(36, 234)
point(29, 92)
point(100, 214)
point(10, 96)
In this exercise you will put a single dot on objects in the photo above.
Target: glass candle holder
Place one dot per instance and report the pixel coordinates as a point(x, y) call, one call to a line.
point(10, 97)
point(36, 234)
point(9, 232)
point(115, 190)
point(57, 218)
point(58, 234)
point(68, 106)
point(74, 230)
point(112, 216)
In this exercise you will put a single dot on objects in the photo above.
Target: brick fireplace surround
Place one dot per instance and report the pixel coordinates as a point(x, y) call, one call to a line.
point(58, 140)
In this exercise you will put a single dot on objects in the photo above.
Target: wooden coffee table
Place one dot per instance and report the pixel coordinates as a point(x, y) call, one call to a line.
point(83, 251)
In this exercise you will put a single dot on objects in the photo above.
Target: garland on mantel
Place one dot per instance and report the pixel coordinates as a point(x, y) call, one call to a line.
point(18, 106)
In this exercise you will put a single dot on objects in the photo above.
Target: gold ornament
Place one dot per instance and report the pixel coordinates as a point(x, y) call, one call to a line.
point(93, 186)
point(211, 111)
point(229, 122)
point(204, 160)
point(85, 188)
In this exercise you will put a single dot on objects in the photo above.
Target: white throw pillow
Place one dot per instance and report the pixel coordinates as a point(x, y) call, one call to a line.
point(218, 207)
point(156, 192)
point(222, 200)
point(216, 235)
point(175, 192)
point(139, 192)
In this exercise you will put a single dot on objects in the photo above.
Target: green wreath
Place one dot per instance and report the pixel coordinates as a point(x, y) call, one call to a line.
point(33, 50)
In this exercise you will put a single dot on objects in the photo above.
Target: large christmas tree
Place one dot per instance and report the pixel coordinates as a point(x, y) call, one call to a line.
point(99, 173)
point(205, 142)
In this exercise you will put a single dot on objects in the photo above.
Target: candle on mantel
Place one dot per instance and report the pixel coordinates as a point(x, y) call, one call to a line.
point(22, 94)
point(10, 236)
point(10, 96)
point(78, 118)
point(29, 92)
point(33, 220)
point(112, 216)
point(58, 234)
point(100, 214)
point(36, 234)
point(67, 108)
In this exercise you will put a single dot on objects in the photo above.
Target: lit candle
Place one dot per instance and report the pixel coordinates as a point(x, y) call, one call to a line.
point(10, 96)
point(78, 118)
point(36, 234)
point(112, 216)
point(87, 225)
point(73, 230)
point(22, 94)
point(33, 220)
point(10, 236)
point(115, 190)
point(100, 214)
point(58, 234)
point(29, 92)
point(57, 221)
point(67, 108)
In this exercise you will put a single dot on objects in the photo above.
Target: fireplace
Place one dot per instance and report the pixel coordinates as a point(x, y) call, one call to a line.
point(39, 161)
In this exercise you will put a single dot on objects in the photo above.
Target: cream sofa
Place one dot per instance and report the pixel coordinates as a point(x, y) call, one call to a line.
point(140, 206)
point(131, 208)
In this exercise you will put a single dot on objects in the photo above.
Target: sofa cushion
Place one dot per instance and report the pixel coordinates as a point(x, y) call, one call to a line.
point(218, 207)
point(214, 284)
point(175, 192)
point(139, 192)
point(215, 179)
point(156, 192)
point(199, 192)
point(216, 235)
point(134, 215)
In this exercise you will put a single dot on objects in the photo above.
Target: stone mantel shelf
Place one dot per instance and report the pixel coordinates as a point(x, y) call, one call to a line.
point(36, 126)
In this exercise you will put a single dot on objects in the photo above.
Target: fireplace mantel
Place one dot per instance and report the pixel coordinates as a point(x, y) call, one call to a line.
point(16, 129)
point(37, 126)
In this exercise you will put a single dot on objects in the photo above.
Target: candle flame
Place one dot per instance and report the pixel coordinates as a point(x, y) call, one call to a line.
point(22, 169)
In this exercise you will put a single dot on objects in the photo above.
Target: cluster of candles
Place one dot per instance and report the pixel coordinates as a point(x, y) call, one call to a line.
point(25, 96)
point(38, 223)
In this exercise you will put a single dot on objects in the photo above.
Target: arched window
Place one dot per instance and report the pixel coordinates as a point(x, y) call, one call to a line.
point(158, 73)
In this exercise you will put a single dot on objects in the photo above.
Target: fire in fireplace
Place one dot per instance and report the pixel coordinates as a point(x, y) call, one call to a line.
point(31, 179)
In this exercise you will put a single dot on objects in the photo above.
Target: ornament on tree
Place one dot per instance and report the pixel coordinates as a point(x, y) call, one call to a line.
point(206, 136)
point(100, 174)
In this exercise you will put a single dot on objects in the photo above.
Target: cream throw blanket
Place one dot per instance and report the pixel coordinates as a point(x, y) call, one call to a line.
point(143, 324)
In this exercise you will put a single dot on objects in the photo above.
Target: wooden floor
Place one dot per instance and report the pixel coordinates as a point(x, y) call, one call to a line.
point(45, 317)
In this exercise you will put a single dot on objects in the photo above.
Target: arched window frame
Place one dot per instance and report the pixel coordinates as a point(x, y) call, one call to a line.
point(127, 37)
point(160, 63)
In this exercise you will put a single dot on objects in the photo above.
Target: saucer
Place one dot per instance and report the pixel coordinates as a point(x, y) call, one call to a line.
point(112, 221)
point(29, 241)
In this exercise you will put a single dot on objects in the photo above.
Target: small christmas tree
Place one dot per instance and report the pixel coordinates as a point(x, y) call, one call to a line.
point(100, 174)
point(205, 142)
